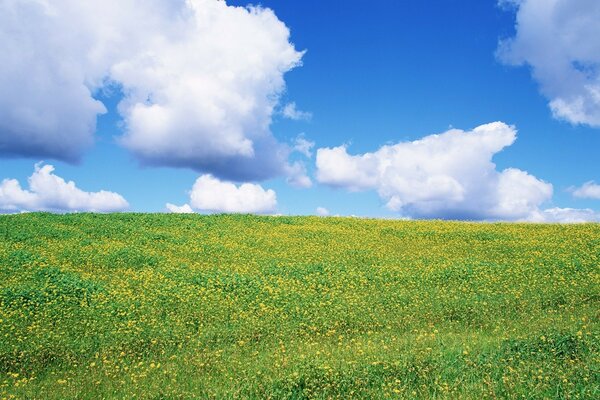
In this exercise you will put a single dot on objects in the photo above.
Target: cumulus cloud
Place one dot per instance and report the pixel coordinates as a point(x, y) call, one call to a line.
point(184, 209)
point(589, 190)
point(49, 192)
point(200, 81)
point(291, 111)
point(449, 175)
point(46, 79)
point(210, 194)
point(560, 40)
point(199, 97)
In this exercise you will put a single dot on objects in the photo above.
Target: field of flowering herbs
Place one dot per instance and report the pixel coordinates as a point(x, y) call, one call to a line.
point(156, 306)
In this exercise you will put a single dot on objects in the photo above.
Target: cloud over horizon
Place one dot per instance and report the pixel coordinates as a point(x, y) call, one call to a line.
point(322, 211)
point(193, 96)
point(560, 41)
point(212, 195)
point(449, 175)
point(565, 215)
point(49, 192)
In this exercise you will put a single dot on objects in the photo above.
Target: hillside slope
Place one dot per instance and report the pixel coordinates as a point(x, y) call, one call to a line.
point(188, 306)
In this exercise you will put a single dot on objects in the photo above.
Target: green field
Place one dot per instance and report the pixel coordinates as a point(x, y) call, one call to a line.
point(157, 306)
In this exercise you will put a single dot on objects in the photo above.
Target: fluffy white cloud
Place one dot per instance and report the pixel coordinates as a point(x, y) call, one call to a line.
point(200, 81)
point(450, 175)
point(291, 111)
point(202, 93)
point(560, 40)
point(47, 78)
point(589, 190)
point(209, 194)
point(518, 195)
point(49, 192)
point(322, 211)
point(184, 209)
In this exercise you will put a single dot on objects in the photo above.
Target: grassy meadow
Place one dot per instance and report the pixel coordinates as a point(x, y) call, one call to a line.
point(153, 306)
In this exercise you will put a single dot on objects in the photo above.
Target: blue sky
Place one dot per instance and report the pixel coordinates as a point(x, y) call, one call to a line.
point(373, 74)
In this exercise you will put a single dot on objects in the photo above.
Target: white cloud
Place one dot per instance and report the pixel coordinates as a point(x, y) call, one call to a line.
point(589, 190)
point(291, 111)
point(49, 192)
point(304, 146)
point(450, 175)
point(518, 194)
point(46, 102)
point(184, 209)
point(560, 40)
point(296, 171)
point(200, 97)
point(322, 211)
point(296, 175)
point(200, 79)
point(209, 194)
point(565, 215)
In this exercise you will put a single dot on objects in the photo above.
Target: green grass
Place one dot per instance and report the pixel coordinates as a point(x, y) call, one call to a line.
point(186, 306)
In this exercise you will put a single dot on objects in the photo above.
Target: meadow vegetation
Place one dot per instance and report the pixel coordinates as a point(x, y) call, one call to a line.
point(156, 306)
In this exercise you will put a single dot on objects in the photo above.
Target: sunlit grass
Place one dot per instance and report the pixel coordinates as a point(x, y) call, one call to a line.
point(188, 306)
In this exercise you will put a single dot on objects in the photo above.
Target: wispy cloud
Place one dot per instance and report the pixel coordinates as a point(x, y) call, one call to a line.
point(589, 190)
point(291, 111)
